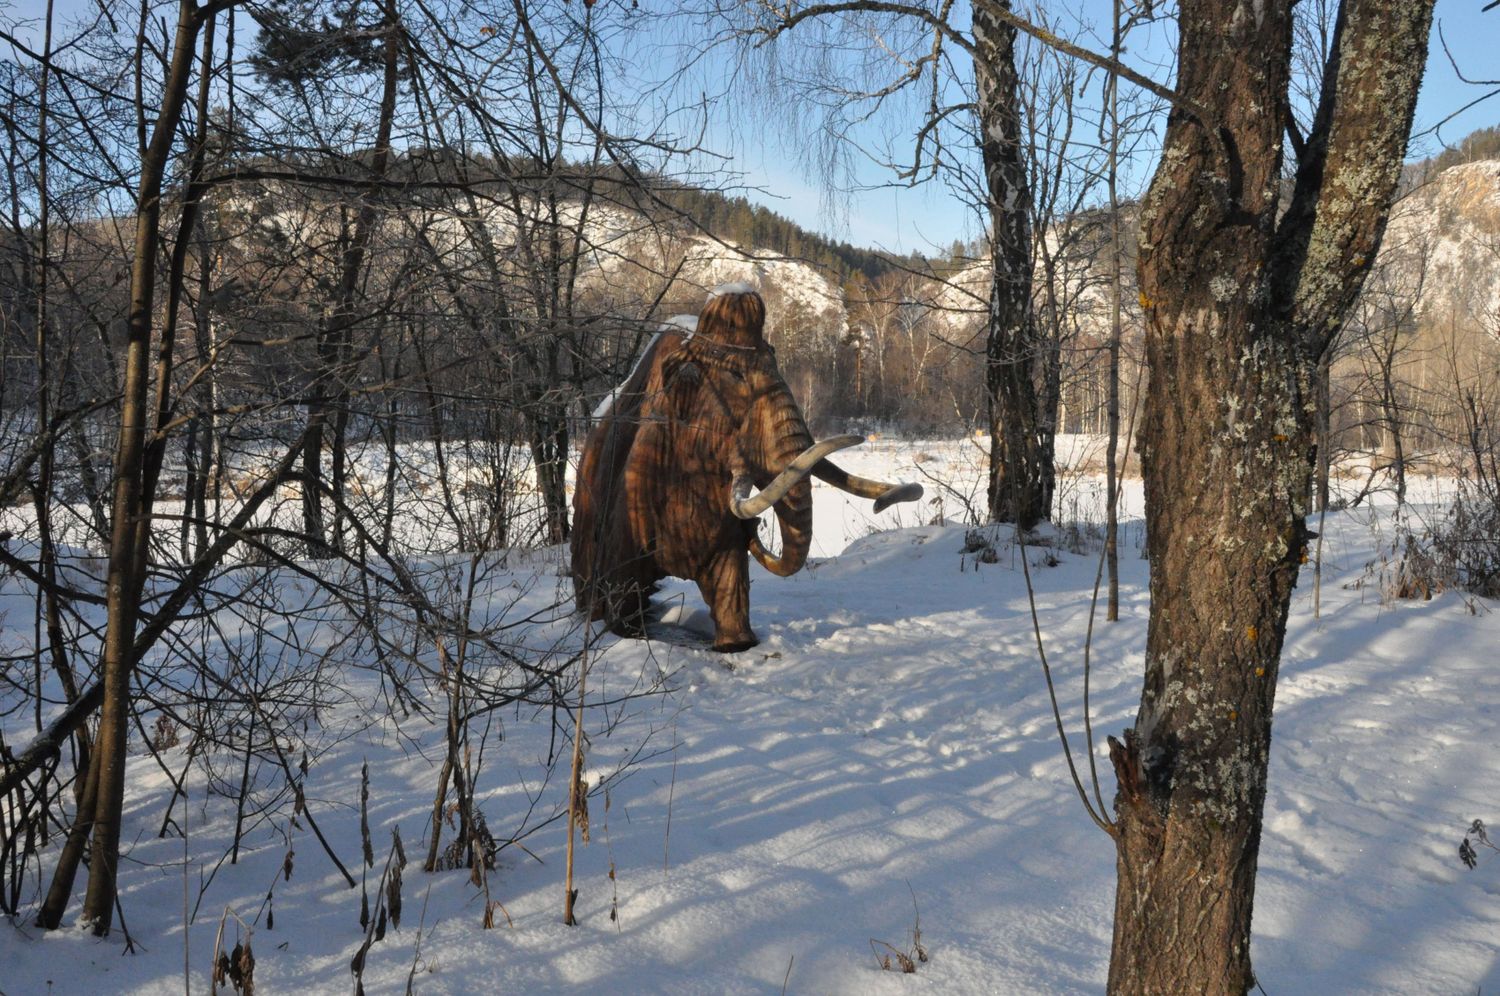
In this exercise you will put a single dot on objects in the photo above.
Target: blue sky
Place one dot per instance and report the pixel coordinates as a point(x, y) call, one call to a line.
point(929, 217)
point(763, 148)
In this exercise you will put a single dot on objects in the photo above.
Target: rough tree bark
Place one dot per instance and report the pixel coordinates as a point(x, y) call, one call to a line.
point(1020, 479)
point(1239, 307)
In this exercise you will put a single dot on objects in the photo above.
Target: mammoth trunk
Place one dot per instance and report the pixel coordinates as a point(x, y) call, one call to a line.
point(783, 438)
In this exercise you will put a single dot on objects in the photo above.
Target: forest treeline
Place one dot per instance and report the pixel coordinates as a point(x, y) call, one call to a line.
point(1480, 144)
point(736, 219)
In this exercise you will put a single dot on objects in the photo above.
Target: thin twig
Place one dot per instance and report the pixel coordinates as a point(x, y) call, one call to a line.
point(1102, 822)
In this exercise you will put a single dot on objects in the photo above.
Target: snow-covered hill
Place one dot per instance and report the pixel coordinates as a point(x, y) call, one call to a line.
point(1445, 239)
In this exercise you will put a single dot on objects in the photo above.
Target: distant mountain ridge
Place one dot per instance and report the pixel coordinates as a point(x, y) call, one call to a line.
point(736, 219)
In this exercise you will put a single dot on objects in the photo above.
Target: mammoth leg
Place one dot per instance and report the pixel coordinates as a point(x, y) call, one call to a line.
point(726, 589)
point(619, 596)
point(630, 609)
point(627, 606)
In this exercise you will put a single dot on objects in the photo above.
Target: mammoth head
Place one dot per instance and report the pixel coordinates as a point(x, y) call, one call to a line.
point(772, 437)
point(734, 316)
point(723, 380)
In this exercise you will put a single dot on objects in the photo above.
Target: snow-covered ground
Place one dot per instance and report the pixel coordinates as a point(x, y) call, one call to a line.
point(886, 758)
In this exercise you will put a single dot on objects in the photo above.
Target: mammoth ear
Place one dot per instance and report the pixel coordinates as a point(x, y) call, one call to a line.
point(681, 379)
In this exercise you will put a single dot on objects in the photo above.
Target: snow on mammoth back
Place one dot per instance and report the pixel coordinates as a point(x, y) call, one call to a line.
point(685, 325)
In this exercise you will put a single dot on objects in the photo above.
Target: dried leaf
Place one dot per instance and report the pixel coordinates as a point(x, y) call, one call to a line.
point(393, 896)
point(247, 970)
point(364, 814)
point(581, 808)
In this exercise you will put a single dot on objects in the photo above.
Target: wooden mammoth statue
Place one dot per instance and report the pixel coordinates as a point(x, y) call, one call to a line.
point(702, 437)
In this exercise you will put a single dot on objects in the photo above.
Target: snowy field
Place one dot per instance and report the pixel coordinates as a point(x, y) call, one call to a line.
point(885, 759)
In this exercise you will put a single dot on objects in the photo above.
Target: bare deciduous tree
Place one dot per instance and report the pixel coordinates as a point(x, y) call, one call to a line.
point(1241, 299)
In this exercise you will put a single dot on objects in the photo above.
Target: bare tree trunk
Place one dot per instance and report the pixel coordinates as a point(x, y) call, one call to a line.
point(61, 890)
point(328, 408)
point(1019, 470)
point(202, 430)
point(1393, 443)
point(1116, 331)
point(137, 461)
point(188, 234)
point(42, 492)
point(1239, 305)
point(50, 610)
point(130, 523)
point(549, 457)
point(1323, 428)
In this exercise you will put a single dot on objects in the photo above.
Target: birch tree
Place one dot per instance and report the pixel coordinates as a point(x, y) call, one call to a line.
point(925, 34)
point(1020, 473)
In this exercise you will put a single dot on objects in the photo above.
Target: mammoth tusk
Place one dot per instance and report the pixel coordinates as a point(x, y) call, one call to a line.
point(746, 507)
point(885, 495)
point(899, 493)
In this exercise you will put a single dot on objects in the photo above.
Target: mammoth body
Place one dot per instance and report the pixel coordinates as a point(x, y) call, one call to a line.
point(666, 474)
